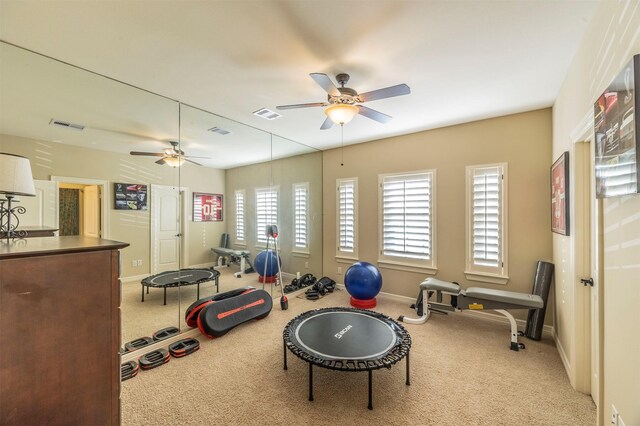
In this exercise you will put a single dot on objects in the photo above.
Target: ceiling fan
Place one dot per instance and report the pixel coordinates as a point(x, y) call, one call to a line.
point(342, 102)
point(173, 156)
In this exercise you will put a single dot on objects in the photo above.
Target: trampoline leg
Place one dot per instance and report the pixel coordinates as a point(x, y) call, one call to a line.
point(408, 380)
point(165, 295)
point(198, 292)
point(370, 390)
point(147, 289)
point(143, 293)
point(217, 285)
point(310, 382)
point(284, 346)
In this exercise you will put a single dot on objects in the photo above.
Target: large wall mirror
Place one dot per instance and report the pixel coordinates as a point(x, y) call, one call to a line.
point(193, 178)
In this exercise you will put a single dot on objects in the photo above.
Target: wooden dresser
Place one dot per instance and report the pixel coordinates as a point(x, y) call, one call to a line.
point(60, 331)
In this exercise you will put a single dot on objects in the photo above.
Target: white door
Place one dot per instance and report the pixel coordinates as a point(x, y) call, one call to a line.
point(41, 209)
point(165, 228)
point(91, 211)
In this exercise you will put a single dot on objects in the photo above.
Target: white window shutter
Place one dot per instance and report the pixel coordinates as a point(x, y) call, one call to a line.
point(239, 215)
point(300, 194)
point(487, 216)
point(346, 216)
point(266, 211)
point(407, 216)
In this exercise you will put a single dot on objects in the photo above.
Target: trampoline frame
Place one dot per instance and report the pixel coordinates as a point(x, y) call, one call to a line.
point(394, 355)
point(148, 282)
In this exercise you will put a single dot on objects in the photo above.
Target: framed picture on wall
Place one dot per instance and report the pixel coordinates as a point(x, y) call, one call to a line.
point(207, 207)
point(130, 196)
point(560, 195)
point(616, 127)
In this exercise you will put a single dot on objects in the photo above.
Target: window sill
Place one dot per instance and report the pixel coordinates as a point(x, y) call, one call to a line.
point(346, 259)
point(300, 254)
point(399, 266)
point(486, 277)
point(240, 245)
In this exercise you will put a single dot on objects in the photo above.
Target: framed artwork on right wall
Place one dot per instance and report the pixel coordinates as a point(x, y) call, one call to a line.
point(617, 134)
point(560, 195)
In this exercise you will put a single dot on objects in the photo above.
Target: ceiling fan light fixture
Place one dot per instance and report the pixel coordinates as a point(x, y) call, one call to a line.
point(341, 113)
point(174, 161)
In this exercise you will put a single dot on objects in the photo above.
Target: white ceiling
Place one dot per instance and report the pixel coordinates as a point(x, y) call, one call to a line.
point(463, 60)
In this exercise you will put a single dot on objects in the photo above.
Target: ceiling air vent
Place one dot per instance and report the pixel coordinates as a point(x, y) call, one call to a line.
point(267, 114)
point(66, 124)
point(219, 131)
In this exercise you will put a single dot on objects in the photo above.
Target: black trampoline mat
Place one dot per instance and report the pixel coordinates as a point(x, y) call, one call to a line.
point(185, 276)
point(344, 335)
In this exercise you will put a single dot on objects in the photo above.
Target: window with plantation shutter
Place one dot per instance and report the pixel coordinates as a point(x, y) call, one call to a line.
point(407, 220)
point(266, 211)
point(240, 216)
point(486, 223)
point(300, 205)
point(347, 218)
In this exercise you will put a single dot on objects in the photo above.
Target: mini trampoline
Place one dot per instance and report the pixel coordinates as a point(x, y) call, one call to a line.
point(346, 339)
point(179, 278)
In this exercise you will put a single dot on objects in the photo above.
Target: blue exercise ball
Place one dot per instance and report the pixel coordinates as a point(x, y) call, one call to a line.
point(268, 258)
point(363, 281)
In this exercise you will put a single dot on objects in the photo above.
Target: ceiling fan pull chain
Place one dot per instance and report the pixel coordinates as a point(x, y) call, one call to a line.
point(342, 145)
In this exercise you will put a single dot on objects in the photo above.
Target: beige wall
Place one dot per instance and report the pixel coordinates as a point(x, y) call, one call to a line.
point(54, 159)
point(283, 173)
point(521, 140)
point(612, 38)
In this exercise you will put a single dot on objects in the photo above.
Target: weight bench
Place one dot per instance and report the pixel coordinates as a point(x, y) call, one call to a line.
point(473, 298)
point(228, 256)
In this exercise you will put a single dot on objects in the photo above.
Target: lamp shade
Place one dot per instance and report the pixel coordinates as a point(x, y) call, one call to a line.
point(341, 113)
point(174, 161)
point(15, 175)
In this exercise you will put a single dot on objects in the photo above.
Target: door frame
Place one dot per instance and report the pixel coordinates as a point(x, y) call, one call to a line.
point(183, 256)
point(105, 194)
point(584, 205)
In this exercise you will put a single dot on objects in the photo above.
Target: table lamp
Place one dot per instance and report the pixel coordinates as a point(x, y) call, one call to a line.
point(15, 179)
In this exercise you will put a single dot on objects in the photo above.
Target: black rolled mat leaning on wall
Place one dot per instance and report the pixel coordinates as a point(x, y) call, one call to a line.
point(541, 286)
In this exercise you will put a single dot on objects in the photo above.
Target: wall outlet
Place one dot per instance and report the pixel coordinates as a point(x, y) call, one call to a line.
point(306, 265)
point(134, 263)
point(614, 415)
point(339, 270)
point(139, 262)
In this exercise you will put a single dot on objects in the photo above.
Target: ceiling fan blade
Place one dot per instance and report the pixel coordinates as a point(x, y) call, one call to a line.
point(161, 161)
point(313, 104)
point(150, 154)
point(191, 156)
point(193, 162)
point(327, 124)
point(373, 114)
point(325, 82)
point(387, 92)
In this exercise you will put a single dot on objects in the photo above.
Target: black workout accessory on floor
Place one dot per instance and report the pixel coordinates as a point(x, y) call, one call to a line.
point(165, 333)
point(218, 318)
point(191, 316)
point(184, 347)
point(137, 344)
point(321, 287)
point(346, 339)
point(154, 359)
point(128, 370)
point(183, 277)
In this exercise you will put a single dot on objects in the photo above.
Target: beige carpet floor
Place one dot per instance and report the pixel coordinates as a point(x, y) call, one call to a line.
point(462, 373)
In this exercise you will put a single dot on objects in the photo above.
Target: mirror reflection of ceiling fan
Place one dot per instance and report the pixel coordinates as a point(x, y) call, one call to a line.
point(173, 156)
point(342, 102)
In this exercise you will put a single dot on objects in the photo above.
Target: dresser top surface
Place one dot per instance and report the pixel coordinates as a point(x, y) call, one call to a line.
point(55, 245)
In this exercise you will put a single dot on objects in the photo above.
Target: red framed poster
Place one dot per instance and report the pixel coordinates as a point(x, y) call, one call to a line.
point(207, 207)
point(560, 195)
